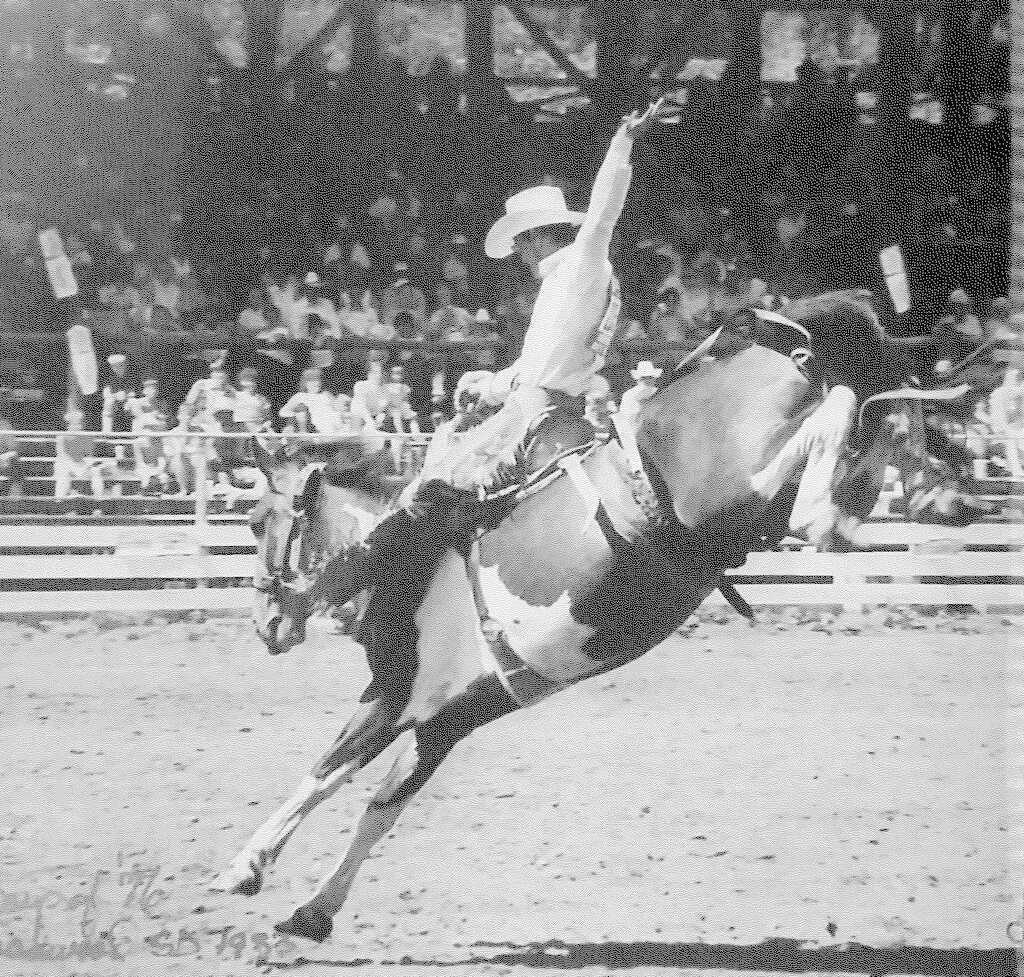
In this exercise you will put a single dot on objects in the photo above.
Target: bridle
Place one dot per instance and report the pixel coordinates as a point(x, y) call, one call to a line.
point(288, 579)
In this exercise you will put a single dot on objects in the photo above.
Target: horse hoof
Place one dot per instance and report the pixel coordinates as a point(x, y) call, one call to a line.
point(307, 923)
point(245, 883)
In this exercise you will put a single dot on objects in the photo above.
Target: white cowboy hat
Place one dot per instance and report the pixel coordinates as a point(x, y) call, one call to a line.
point(312, 279)
point(645, 369)
point(536, 207)
point(483, 318)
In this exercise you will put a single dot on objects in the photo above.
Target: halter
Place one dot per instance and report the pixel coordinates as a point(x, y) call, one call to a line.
point(799, 354)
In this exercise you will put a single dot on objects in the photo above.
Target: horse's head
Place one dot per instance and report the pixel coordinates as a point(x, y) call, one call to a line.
point(317, 505)
point(279, 521)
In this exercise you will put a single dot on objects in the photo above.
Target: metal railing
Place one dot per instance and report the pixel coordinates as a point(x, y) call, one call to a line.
point(407, 449)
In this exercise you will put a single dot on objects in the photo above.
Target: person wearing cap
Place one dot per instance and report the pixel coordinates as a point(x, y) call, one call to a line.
point(627, 418)
point(312, 408)
point(118, 383)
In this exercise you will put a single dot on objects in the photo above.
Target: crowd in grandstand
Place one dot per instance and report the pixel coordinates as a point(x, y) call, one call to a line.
point(363, 310)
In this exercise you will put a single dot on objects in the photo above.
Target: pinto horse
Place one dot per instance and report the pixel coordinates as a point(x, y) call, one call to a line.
point(583, 575)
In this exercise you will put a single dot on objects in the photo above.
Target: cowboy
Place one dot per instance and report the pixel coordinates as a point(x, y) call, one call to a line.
point(573, 318)
point(572, 323)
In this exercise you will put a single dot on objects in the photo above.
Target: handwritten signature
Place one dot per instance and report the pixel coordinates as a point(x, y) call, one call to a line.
point(114, 915)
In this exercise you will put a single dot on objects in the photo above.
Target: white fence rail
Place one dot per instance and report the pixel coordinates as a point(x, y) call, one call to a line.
point(203, 565)
point(185, 568)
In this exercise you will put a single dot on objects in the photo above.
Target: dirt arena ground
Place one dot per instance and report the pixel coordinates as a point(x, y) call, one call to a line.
point(797, 797)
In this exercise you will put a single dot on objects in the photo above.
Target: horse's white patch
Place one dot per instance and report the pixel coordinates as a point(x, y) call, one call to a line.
point(549, 639)
point(452, 649)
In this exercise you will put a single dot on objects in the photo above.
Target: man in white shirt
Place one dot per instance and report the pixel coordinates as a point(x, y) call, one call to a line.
point(574, 316)
point(573, 320)
point(313, 404)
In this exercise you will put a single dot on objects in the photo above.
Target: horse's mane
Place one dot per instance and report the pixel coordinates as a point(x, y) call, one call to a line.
point(365, 471)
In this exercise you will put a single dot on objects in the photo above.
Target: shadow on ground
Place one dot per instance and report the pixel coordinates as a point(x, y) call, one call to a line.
point(787, 956)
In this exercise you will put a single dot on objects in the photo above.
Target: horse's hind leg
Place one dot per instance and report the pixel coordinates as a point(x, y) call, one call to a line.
point(370, 731)
point(483, 701)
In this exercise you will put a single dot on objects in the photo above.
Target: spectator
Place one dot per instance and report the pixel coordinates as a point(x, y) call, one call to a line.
point(313, 410)
point(150, 461)
point(399, 408)
point(210, 395)
point(1006, 411)
point(250, 409)
point(627, 418)
point(997, 325)
point(181, 452)
point(369, 398)
point(671, 327)
point(11, 467)
point(365, 323)
point(274, 357)
point(294, 304)
point(150, 402)
point(76, 459)
point(599, 406)
point(402, 297)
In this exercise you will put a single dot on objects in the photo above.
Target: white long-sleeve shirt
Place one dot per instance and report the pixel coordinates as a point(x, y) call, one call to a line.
point(573, 293)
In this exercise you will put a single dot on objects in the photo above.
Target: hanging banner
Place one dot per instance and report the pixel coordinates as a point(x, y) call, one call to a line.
point(899, 292)
point(50, 243)
point(895, 271)
point(83, 359)
point(62, 277)
point(891, 260)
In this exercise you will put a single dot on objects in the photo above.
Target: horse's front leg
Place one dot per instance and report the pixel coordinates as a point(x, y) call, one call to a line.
point(370, 731)
point(434, 739)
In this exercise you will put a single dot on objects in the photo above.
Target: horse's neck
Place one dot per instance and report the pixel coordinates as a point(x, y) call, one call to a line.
point(709, 431)
point(344, 516)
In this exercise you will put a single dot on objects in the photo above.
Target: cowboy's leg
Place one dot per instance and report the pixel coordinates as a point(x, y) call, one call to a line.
point(402, 545)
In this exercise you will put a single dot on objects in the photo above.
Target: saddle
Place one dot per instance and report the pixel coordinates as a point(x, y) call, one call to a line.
point(558, 433)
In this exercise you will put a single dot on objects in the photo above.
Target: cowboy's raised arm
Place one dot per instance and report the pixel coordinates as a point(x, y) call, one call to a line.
point(611, 185)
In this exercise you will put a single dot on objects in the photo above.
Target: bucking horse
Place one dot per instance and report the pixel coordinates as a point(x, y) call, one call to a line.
point(583, 560)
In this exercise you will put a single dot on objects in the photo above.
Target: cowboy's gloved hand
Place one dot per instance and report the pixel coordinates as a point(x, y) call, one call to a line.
point(637, 125)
